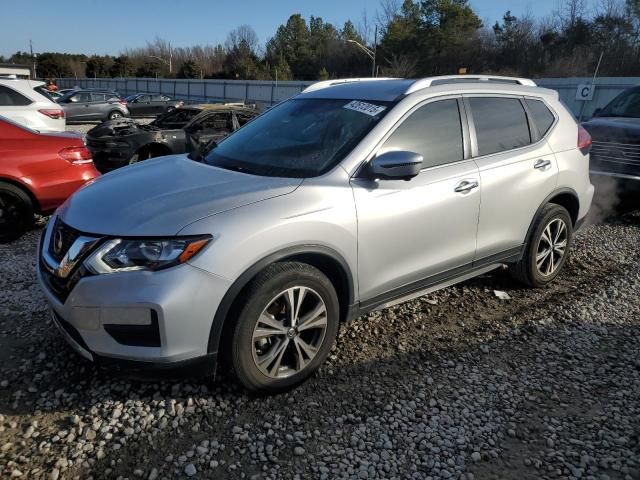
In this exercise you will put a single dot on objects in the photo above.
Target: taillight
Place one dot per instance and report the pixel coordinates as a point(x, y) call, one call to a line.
point(584, 140)
point(122, 101)
point(76, 155)
point(181, 103)
point(54, 113)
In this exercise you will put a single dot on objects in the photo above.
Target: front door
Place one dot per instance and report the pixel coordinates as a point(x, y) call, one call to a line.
point(78, 107)
point(412, 232)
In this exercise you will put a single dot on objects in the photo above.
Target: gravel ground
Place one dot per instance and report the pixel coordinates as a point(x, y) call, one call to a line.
point(458, 384)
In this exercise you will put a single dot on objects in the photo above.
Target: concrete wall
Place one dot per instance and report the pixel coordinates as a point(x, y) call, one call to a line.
point(266, 93)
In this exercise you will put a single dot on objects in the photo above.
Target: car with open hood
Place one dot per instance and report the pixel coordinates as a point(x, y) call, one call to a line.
point(122, 142)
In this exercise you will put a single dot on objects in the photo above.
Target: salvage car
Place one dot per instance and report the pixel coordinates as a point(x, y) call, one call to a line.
point(150, 105)
point(121, 142)
point(38, 172)
point(349, 197)
point(615, 130)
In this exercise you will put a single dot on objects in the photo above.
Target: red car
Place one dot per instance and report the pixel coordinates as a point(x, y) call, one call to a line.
point(38, 172)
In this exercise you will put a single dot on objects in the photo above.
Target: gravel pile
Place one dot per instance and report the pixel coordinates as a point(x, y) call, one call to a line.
point(460, 384)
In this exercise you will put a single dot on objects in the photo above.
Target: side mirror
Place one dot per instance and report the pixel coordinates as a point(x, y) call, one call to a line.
point(596, 112)
point(399, 165)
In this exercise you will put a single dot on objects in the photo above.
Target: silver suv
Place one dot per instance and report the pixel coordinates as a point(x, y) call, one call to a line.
point(350, 197)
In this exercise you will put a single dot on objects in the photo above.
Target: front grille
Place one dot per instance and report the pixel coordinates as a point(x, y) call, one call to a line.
point(62, 237)
point(623, 153)
point(62, 287)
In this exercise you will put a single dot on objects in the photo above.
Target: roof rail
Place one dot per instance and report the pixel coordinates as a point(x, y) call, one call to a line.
point(330, 83)
point(432, 81)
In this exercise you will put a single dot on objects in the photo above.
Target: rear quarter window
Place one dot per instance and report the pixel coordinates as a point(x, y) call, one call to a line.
point(542, 116)
point(10, 98)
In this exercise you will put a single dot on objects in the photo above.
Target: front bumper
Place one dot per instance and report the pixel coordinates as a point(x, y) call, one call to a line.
point(139, 321)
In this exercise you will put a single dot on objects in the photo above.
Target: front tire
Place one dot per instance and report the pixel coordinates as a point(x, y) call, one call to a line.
point(285, 327)
point(16, 212)
point(548, 247)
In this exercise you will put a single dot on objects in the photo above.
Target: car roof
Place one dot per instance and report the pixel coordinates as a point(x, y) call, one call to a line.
point(390, 89)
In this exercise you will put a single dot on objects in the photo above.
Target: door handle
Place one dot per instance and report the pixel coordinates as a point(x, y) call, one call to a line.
point(466, 186)
point(542, 164)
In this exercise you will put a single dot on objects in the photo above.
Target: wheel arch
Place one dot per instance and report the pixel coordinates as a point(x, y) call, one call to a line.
point(325, 259)
point(25, 189)
point(565, 197)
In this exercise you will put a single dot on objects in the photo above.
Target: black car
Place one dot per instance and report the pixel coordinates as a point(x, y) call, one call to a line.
point(615, 130)
point(121, 142)
point(147, 104)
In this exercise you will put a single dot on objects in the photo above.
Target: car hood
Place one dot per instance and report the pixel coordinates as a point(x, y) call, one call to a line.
point(614, 129)
point(159, 197)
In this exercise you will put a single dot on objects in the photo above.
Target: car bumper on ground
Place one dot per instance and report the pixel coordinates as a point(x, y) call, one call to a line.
point(140, 321)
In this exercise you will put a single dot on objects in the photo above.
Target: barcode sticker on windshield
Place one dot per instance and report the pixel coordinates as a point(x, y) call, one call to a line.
point(364, 107)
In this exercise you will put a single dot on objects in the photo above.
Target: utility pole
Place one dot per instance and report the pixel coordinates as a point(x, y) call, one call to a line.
point(33, 60)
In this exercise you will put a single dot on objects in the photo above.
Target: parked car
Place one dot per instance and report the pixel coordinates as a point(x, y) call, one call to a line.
point(123, 142)
point(150, 105)
point(616, 138)
point(38, 172)
point(92, 105)
point(350, 197)
point(22, 102)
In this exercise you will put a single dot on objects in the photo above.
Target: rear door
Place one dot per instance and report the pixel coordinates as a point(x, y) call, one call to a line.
point(99, 108)
point(518, 171)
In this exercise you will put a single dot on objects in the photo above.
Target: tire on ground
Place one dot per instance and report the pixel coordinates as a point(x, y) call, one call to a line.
point(16, 212)
point(526, 270)
point(258, 295)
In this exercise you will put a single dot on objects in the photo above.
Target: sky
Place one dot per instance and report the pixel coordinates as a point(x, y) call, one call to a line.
point(108, 27)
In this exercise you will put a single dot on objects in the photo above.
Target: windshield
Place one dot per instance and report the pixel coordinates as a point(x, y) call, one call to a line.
point(131, 98)
point(298, 138)
point(627, 104)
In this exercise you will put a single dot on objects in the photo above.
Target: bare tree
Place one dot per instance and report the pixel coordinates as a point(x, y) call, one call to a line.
point(243, 35)
point(570, 11)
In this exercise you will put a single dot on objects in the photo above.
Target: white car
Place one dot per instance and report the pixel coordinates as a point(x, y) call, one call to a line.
point(21, 102)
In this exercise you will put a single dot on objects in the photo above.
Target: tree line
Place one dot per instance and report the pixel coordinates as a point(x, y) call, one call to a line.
point(410, 39)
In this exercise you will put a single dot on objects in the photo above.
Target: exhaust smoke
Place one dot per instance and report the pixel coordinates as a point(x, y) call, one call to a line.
point(605, 200)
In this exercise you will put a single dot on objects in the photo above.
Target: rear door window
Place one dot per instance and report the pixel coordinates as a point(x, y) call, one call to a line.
point(10, 98)
point(97, 97)
point(542, 116)
point(501, 124)
point(433, 131)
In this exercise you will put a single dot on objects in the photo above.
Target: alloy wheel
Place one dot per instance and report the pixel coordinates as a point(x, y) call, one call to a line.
point(289, 332)
point(552, 247)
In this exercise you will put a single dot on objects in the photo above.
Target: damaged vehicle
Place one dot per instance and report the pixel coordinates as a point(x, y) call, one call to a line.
point(122, 142)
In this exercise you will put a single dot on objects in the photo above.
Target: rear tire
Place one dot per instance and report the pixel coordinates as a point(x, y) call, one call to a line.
point(548, 247)
point(16, 212)
point(286, 325)
point(114, 114)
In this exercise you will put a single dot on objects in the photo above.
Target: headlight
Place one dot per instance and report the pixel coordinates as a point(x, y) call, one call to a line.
point(123, 255)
